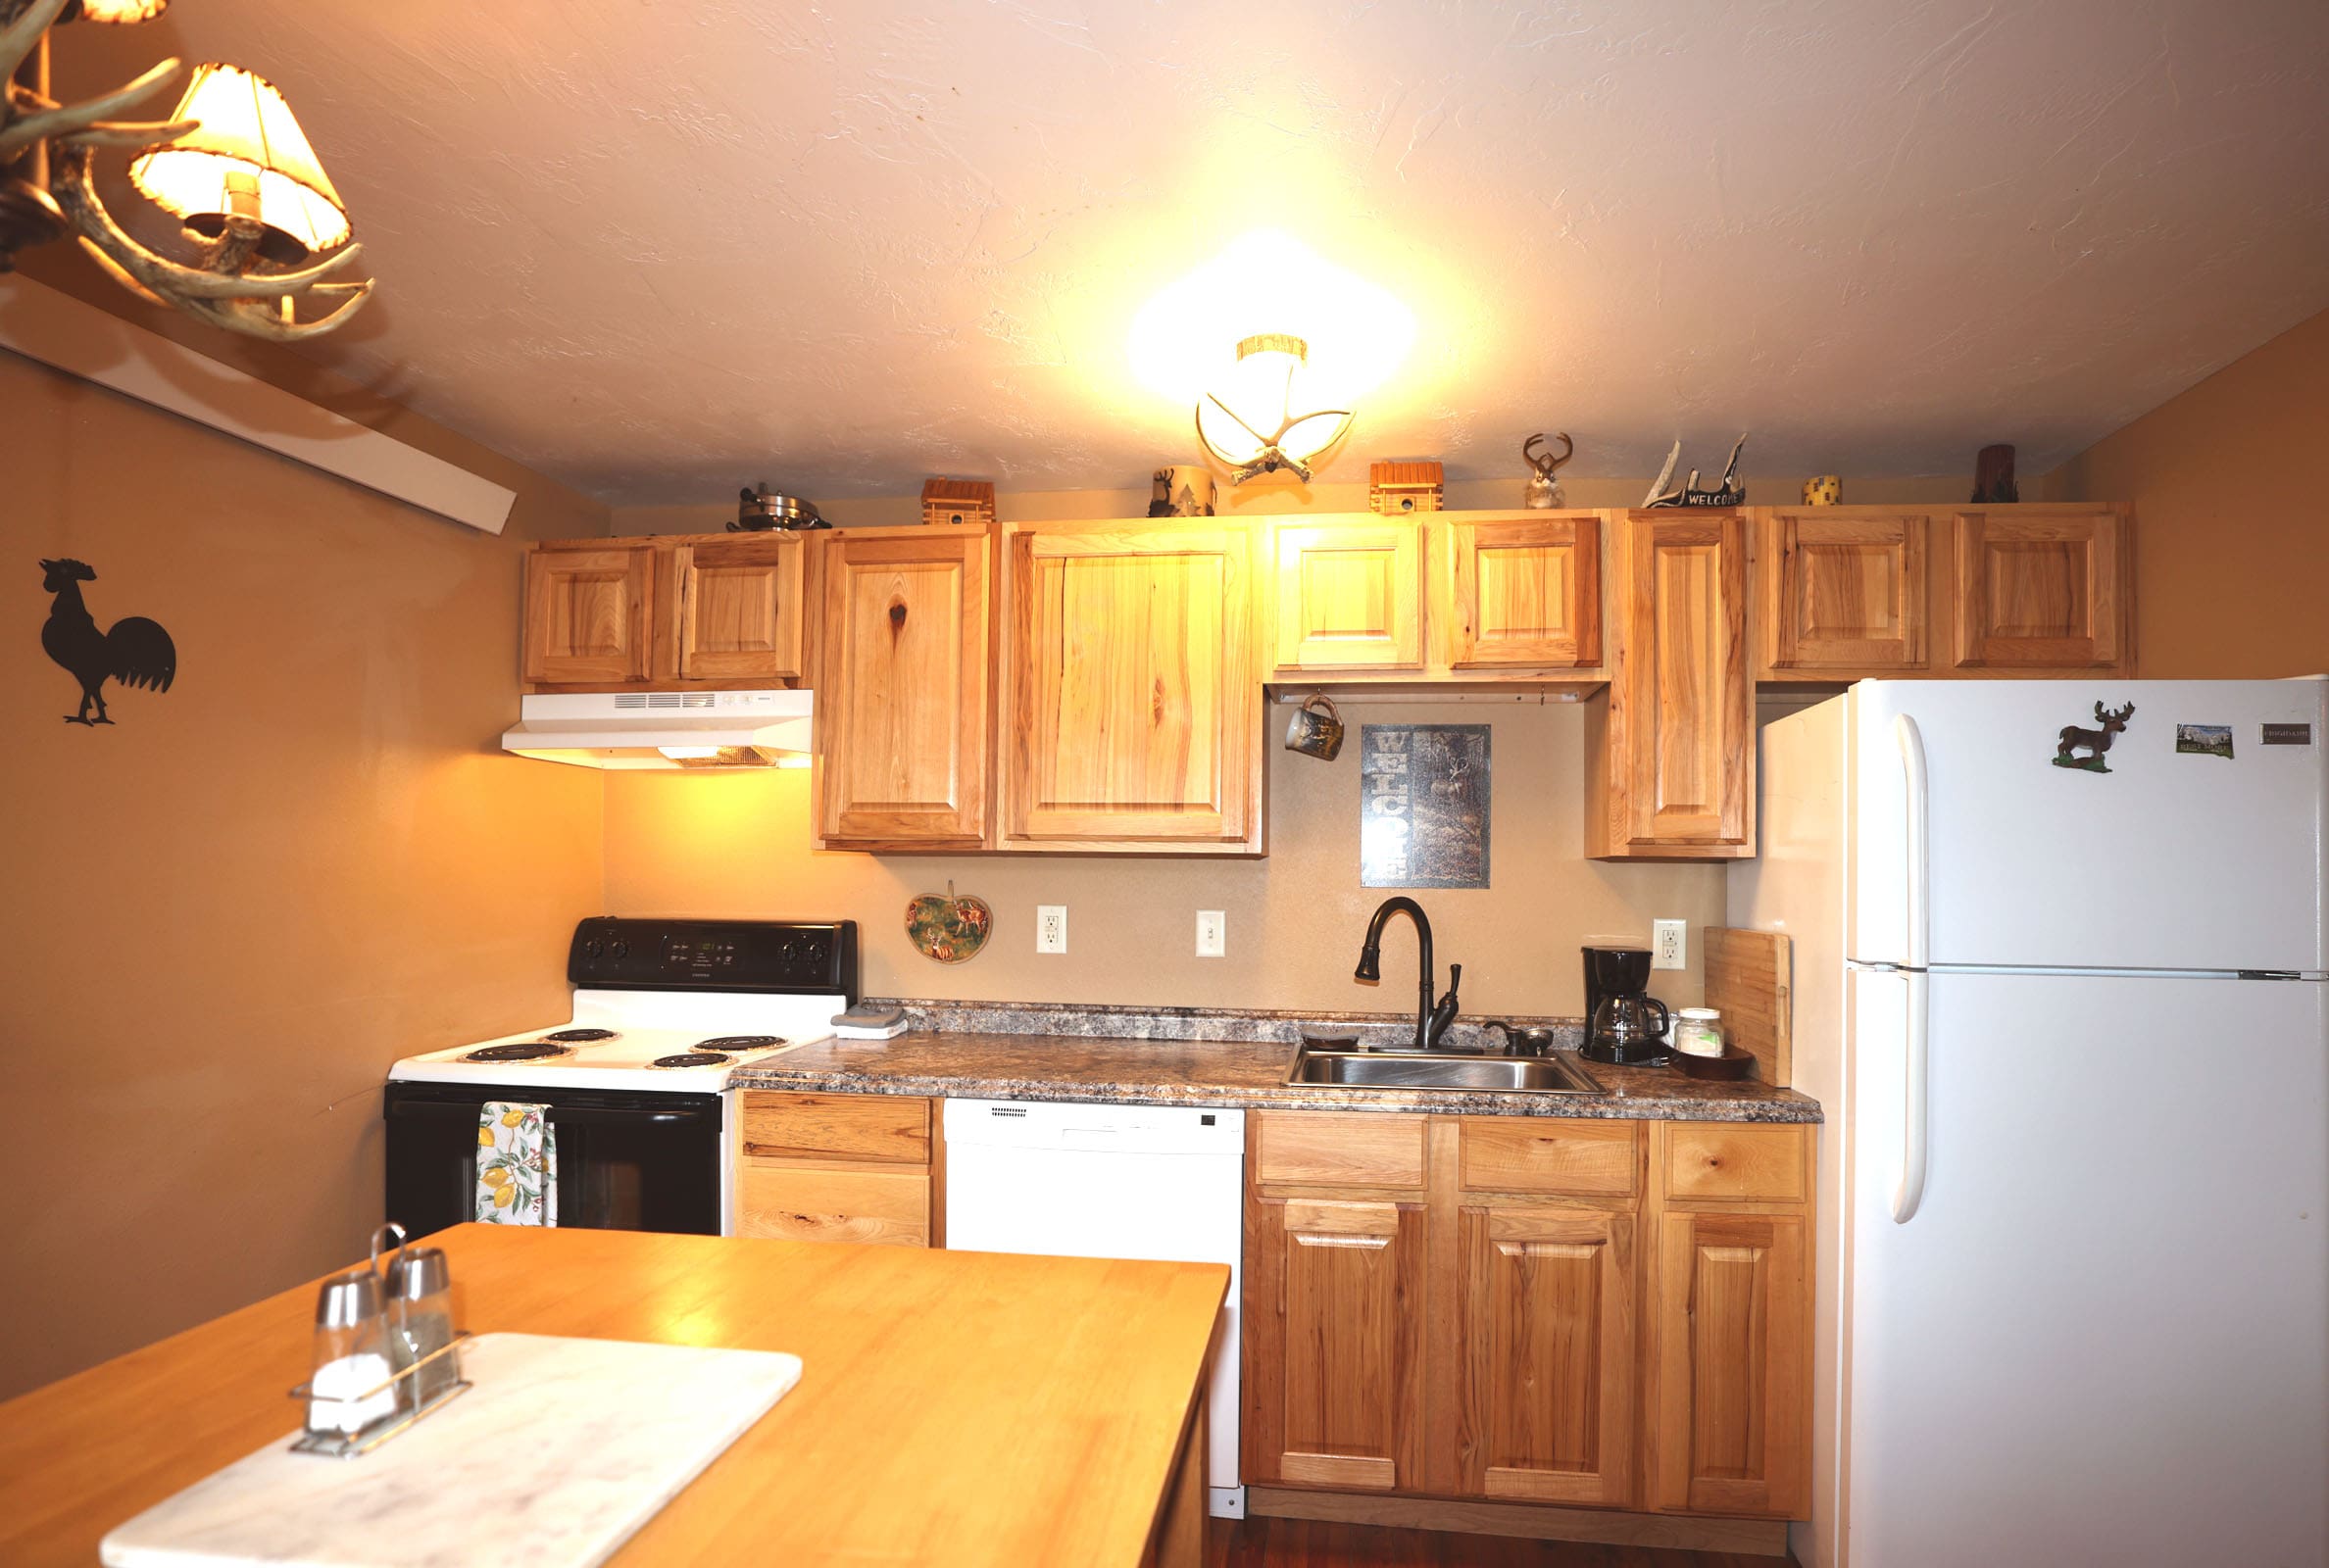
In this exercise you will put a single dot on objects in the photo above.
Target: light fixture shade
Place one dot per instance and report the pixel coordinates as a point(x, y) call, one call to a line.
point(116, 10)
point(249, 131)
point(1265, 403)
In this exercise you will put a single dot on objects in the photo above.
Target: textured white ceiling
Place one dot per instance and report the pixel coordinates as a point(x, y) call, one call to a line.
point(661, 248)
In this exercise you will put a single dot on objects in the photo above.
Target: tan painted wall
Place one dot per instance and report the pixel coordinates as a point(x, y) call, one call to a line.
point(2232, 531)
point(739, 843)
point(230, 911)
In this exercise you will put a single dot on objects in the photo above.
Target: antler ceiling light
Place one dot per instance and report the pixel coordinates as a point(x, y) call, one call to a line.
point(231, 164)
point(1310, 338)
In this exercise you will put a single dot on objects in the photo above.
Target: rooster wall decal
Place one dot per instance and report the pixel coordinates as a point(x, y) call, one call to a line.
point(137, 652)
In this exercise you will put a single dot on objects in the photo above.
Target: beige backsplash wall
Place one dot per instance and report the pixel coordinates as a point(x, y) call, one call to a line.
point(738, 845)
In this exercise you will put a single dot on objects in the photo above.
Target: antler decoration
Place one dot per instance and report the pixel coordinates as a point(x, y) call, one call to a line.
point(1544, 491)
point(229, 289)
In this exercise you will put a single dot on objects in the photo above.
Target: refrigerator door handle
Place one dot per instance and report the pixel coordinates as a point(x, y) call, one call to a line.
point(1908, 1190)
point(1921, 812)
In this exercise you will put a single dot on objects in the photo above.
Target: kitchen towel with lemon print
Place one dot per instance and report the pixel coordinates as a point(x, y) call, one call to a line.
point(517, 1166)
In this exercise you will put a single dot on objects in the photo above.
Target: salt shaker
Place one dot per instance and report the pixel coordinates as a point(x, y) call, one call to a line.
point(351, 1387)
point(421, 1321)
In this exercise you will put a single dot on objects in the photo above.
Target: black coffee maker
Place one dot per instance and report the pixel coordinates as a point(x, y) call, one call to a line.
point(1622, 1023)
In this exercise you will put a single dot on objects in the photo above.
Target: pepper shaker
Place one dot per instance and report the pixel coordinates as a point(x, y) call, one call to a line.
point(419, 1292)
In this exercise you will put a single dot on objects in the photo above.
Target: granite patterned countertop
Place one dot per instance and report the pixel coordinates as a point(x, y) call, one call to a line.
point(1245, 1074)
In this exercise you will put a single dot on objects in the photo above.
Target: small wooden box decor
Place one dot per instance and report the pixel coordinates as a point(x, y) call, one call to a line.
point(951, 503)
point(1403, 487)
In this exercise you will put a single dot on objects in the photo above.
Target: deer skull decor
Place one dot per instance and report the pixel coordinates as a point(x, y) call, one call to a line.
point(254, 265)
point(1544, 491)
point(2095, 741)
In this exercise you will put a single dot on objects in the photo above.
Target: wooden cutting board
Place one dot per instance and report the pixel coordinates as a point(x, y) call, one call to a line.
point(563, 1448)
point(1750, 981)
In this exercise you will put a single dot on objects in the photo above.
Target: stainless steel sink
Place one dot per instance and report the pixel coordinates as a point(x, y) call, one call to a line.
point(1557, 1074)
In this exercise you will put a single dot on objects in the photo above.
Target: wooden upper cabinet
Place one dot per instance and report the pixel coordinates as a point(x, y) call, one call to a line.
point(1842, 592)
point(1132, 702)
point(1670, 751)
point(739, 605)
point(1547, 1354)
point(588, 618)
point(2043, 588)
point(1523, 593)
point(903, 686)
point(1349, 596)
point(1333, 1386)
point(1731, 1411)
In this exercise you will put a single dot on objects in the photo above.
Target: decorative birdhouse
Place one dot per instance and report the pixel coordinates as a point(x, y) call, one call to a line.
point(951, 503)
point(1393, 487)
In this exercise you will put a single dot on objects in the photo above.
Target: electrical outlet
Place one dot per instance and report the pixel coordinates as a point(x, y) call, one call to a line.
point(1213, 928)
point(1669, 944)
point(1051, 928)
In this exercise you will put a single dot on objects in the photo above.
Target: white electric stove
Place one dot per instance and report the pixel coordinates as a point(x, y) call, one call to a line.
point(635, 1081)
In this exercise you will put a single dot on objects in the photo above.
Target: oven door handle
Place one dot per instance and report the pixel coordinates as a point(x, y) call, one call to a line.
point(559, 1115)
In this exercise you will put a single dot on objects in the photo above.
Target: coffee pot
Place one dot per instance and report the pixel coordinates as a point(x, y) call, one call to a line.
point(1624, 1025)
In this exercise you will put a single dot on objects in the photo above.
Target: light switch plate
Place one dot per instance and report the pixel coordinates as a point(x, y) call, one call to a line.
point(1051, 928)
point(1669, 944)
point(1213, 928)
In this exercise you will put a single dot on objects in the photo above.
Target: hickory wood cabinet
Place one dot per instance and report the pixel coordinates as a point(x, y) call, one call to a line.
point(1131, 703)
point(1594, 1314)
point(701, 611)
point(1845, 593)
point(840, 1168)
point(905, 688)
point(1446, 597)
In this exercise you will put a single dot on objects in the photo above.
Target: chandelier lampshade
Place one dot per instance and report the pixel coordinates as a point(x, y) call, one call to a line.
point(248, 158)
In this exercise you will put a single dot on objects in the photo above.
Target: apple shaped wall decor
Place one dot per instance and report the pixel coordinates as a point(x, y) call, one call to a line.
point(948, 927)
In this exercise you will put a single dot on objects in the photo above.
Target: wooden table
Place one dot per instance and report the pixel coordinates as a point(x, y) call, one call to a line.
point(955, 1408)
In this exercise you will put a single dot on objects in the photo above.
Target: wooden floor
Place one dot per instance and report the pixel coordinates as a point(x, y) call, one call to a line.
point(1305, 1544)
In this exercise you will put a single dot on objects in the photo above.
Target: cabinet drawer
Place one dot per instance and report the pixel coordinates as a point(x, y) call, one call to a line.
point(886, 1205)
point(1704, 1160)
point(890, 1129)
point(1322, 1148)
point(1541, 1155)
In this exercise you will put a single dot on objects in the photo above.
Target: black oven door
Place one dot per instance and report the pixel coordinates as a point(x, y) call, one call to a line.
point(626, 1162)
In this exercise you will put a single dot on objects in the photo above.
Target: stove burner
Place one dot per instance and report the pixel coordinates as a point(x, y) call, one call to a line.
point(581, 1034)
point(518, 1052)
point(691, 1059)
point(738, 1042)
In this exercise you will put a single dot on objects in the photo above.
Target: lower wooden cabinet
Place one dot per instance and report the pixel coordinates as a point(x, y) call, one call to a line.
point(1335, 1400)
point(839, 1168)
point(1602, 1314)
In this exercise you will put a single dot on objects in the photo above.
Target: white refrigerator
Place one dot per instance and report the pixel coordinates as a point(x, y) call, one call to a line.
point(2067, 1011)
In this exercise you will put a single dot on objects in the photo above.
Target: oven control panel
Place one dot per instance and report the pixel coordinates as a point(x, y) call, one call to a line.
point(808, 958)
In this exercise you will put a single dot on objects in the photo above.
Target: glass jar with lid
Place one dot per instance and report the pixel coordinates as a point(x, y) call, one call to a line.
point(1698, 1031)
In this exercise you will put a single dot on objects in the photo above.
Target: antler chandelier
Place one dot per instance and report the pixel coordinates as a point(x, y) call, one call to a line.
point(1251, 425)
point(231, 164)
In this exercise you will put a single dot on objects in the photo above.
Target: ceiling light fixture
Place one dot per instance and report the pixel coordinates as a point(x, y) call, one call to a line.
point(231, 163)
point(1250, 424)
point(1310, 339)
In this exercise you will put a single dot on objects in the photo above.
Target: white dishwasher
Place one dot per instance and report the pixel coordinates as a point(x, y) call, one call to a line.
point(1155, 1182)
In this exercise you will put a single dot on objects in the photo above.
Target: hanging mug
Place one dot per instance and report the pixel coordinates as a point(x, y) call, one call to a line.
point(1315, 729)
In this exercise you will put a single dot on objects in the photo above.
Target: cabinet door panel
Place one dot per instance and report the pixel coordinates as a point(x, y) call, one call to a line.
point(739, 608)
point(1732, 1418)
point(799, 1201)
point(587, 616)
point(1349, 596)
point(1842, 593)
point(2043, 591)
point(1334, 1313)
point(1135, 704)
point(903, 693)
point(1689, 726)
point(1524, 594)
point(1548, 1355)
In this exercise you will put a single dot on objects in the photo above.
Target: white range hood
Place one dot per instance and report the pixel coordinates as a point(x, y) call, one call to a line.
point(665, 730)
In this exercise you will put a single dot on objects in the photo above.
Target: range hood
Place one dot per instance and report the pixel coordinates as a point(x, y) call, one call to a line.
point(665, 730)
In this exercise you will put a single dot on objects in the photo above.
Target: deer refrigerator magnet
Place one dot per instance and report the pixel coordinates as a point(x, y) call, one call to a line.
point(2094, 742)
